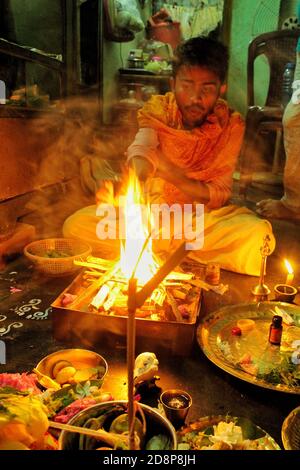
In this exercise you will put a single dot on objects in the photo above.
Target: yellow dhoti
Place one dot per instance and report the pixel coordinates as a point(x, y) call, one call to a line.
point(233, 237)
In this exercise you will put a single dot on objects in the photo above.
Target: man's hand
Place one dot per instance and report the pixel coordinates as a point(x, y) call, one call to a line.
point(142, 167)
point(196, 190)
point(167, 170)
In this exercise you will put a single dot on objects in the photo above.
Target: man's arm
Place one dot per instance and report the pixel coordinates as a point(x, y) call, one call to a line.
point(217, 190)
point(220, 187)
point(142, 155)
point(142, 167)
point(197, 190)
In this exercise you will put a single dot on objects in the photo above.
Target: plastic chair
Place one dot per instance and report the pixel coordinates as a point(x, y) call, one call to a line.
point(279, 47)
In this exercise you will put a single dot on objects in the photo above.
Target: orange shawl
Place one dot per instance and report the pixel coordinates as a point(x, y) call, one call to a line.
point(199, 152)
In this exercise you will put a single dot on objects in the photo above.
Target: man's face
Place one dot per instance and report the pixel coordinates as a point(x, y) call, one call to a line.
point(196, 91)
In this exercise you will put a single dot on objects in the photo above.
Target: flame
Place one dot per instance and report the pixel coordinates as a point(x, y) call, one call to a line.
point(288, 266)
point(136, 257)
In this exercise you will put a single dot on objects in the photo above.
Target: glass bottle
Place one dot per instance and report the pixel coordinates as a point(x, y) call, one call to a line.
point(287, 81)
point(275, 332)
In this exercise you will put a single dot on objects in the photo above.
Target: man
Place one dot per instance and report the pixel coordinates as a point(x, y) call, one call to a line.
point(186, 150)
point(288, 207)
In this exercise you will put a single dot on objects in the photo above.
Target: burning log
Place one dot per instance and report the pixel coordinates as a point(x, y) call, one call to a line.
point(100, 297)
point(94, 287)
point(106, 277)
point(112, 297)
point(174, 306)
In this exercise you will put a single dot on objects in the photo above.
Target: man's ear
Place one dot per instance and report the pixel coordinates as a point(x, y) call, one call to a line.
point(172, 83)
point(223, 89)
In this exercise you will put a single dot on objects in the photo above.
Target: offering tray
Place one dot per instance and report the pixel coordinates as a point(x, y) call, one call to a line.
point(197, 435)
point(250, 356)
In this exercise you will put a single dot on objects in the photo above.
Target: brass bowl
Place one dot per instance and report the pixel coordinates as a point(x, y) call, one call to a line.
point(285, 293)
point(290, 431)
point(79, 358)
point(155, 423)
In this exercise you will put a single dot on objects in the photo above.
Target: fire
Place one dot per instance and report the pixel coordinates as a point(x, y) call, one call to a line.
point(110, 277)
point(290, 275)
point(288, 266)
point(136, 257)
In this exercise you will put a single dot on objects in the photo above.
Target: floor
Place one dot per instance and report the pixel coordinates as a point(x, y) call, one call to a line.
point(26, 329)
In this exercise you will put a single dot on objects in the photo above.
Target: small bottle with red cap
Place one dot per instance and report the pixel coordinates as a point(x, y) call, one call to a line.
point(275, 332)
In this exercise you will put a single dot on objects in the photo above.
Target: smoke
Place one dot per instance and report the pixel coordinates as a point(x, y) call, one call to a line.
point(74, 165)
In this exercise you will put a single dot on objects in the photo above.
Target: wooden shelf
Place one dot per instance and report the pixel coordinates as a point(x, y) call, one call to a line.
point(162, 81)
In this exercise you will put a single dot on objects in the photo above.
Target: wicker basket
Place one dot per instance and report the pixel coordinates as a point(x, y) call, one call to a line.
point(38, 253)
point(290, 432)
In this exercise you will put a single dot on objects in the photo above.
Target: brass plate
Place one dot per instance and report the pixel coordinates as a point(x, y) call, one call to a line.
point(79, 358)
point(268, 365)
point(249, 430)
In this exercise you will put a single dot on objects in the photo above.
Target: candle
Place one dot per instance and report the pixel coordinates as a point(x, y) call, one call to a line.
point(290, 275)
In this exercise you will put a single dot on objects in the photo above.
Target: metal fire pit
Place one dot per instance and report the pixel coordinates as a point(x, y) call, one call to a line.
point(90, 329)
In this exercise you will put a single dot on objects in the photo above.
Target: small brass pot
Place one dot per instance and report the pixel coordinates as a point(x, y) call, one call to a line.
point(285, 293)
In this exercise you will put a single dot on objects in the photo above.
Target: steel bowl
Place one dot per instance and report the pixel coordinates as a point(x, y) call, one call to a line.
point(155, 423)
point(79, 358)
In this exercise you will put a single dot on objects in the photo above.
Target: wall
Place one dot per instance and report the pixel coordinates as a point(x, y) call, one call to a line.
point(21, 142)
point(249, 19)
point(38, 24)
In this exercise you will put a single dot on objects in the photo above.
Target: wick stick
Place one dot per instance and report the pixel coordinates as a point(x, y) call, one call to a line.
point(131, 357)
point(135, 300)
